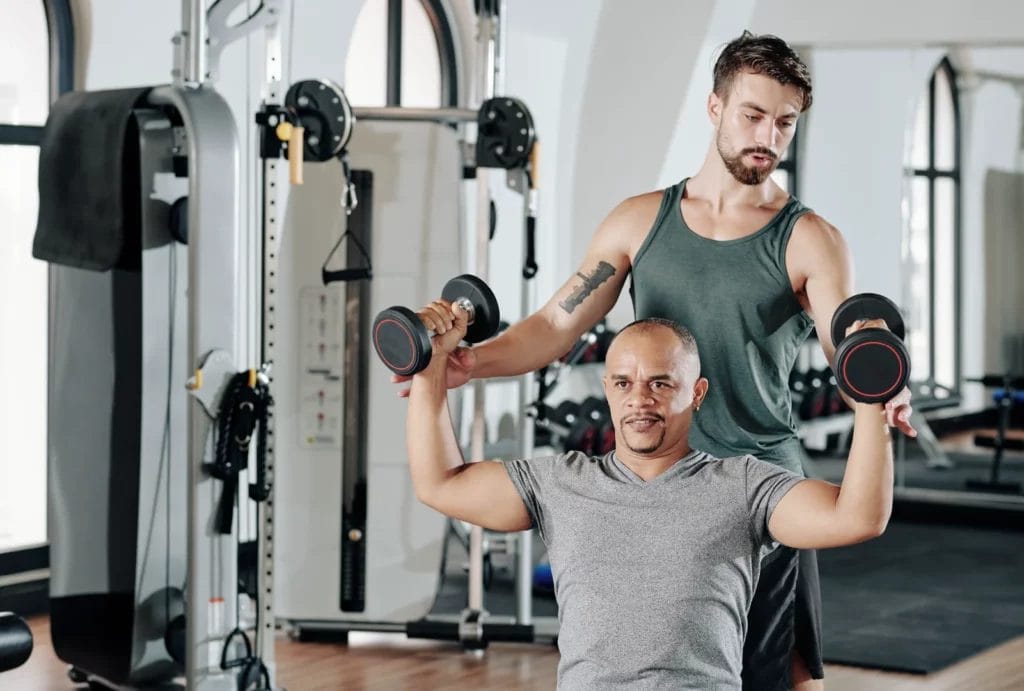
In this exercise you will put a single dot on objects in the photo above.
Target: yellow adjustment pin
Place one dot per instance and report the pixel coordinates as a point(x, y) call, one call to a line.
point(283, 130)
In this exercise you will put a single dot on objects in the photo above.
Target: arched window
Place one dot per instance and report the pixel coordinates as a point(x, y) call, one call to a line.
point(931, 237)
point(36, 49)
point(402, 53)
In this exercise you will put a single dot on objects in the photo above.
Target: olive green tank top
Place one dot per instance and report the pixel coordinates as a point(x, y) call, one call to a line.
point(736, 298)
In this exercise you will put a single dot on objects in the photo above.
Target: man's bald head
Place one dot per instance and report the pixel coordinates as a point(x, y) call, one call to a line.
point(650, 325)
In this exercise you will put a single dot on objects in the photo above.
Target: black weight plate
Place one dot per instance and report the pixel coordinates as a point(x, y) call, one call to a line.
point(325, 113)
point(872, 365)
point(812, 404)
point(505, 133)
point(866, 306)
point(402, 341)
point(486, 315)
point(606, 443)
point(563, 411)
point(178, 220)
point(595, 408)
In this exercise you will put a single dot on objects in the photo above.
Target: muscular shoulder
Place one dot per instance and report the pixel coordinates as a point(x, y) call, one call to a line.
point(816, 243)
point(629, 222)
point(815, 233)
point(642, 207)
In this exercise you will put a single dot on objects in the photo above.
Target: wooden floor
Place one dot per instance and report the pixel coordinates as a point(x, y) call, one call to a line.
point(390, 661)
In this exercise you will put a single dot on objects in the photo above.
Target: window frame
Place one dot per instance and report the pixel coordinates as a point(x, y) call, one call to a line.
point(932, 173)
point(60, 27)
point(439, 20)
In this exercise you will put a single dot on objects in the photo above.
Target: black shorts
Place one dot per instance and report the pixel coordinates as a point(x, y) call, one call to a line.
point(785, 614)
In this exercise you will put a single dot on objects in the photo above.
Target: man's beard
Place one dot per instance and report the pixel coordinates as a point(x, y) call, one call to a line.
point(645, 449)
point(747, 175)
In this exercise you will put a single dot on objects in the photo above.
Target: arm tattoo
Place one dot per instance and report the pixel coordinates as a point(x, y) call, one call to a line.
point(602, 273)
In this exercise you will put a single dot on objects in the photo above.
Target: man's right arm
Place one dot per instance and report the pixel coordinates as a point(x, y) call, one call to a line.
point(815, 514)
point(480, 493)
point(579, 304)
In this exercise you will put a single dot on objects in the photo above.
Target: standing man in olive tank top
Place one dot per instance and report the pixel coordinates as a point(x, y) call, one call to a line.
point(750, 272)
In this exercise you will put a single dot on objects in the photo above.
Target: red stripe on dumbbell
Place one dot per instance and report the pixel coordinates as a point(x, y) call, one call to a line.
point(857, 347)
point(380, 351)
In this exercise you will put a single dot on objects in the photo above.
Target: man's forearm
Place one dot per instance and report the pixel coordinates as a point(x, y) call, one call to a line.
point(865, 497)
point(430, 440)
point(523, 347)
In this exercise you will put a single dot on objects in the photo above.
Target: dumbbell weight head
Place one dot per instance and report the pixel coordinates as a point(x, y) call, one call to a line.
point(572, 427)
point(815, 396)
point(835, 404)
point(402, 341)
point(477, 299)
point(871, 365)
point(595, 408)
point(606, 441)
point(866, 306)
point(585, 435)
point(565, 413)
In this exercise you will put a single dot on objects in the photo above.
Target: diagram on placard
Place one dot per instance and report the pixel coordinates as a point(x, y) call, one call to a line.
point(320, 367)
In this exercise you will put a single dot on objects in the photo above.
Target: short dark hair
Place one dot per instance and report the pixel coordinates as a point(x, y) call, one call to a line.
point(762, 54)
point(685, 337)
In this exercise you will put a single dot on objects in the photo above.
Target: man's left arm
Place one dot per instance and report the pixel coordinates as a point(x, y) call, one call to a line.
point(818, 252)
point(814, 514)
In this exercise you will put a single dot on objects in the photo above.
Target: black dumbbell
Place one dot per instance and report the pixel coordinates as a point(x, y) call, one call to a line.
point(577, 426)
point(871, 365)
point(815, 397)
point(835, 404)
point(557, 422)
point(402, 341)
point(585, 433)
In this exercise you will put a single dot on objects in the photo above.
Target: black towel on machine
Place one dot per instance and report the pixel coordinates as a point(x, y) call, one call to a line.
point(89, 182)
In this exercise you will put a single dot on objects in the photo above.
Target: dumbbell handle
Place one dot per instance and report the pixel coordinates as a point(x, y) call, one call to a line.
point(468, 307)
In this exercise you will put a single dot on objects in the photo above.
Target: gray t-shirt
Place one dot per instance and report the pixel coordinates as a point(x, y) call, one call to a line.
point(653, 579)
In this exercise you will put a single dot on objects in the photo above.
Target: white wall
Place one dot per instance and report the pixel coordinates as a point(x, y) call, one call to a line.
point(904, 23)
point(852, 167)
point(130, 43)
point(693, 131)
point(643, 56)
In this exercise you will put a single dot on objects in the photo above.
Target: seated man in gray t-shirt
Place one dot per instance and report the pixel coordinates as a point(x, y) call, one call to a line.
point(655, 548)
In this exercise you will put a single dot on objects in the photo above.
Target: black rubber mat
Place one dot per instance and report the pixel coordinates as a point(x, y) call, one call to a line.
point(922, 596)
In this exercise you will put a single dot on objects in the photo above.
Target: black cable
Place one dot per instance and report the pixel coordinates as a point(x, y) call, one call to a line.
point(243, 407)
point(243, 416)
point(164, 466)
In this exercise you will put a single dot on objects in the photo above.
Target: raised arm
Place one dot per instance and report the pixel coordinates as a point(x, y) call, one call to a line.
point(479, 493)
point(816, 514)
point(586, 297)
point(818, 252)
point(579, 304)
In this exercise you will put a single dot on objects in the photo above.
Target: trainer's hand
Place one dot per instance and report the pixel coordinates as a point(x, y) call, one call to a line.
point(897, 413)
point(897, 409)
point(461, 362)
